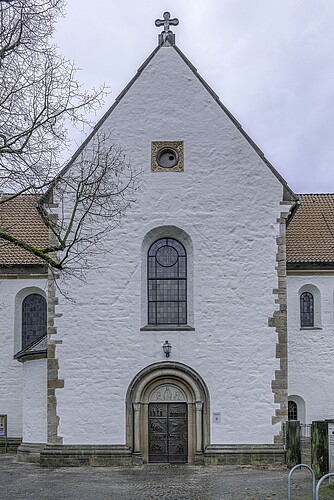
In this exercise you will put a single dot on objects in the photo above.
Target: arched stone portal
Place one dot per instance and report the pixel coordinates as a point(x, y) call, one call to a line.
point(171, 385)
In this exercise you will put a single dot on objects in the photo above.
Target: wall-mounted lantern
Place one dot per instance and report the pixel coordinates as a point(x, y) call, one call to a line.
point(167, 347)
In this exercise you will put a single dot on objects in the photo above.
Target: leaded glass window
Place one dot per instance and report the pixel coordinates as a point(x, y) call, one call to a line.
point(34, 318)
point(292, 410)
point(306, 309)
point(167, 283)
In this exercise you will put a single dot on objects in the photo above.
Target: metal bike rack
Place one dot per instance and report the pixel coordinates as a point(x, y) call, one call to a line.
point(313, 480)
point(319, 484)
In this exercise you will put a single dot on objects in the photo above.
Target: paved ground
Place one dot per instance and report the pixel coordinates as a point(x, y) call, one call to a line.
point(26, 481)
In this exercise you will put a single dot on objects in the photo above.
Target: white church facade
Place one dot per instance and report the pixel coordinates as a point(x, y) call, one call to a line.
point(206, 327)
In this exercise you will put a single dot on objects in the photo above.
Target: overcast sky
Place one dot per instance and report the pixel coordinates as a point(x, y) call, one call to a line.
point(270, 61)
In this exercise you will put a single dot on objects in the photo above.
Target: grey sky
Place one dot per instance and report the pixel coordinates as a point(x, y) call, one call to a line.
point(270, 61)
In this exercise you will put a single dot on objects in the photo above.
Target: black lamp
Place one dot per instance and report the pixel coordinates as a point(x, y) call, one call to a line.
point(167, 347)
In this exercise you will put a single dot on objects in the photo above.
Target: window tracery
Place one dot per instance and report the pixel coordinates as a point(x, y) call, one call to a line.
point(306, 310)
point(167, 282)
point(292, 410)
point(34, 318)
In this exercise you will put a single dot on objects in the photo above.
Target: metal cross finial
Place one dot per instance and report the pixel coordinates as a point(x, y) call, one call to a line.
point(166, 22)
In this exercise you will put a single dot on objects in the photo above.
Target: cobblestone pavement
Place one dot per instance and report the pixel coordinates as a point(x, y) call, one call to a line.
point(27, 481)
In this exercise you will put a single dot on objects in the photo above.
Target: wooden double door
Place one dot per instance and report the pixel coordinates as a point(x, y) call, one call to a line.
point(168, 433)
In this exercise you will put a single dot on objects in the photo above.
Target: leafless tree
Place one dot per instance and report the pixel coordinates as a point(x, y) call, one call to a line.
point(39, 97)
point(91, 194)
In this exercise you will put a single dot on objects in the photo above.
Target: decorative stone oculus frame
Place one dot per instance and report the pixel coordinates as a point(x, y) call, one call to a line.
point(167, 156)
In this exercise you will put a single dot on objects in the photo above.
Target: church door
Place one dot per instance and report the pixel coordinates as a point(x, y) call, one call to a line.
point(168, 433)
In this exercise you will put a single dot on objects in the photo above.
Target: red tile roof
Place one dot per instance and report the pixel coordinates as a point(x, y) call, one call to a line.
point(310, 234)
point(20, 218)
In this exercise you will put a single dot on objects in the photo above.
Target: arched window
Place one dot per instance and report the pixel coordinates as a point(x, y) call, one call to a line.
point(34, 318)
point(292, 410)
point(306, 309)
point(167, 283)
point(296, 408)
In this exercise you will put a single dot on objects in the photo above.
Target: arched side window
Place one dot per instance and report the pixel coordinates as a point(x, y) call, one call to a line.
point(309, 297)
point(306, 310)
point(296, 408)
point(34, 318)
point(167, 283)
point(292, 410)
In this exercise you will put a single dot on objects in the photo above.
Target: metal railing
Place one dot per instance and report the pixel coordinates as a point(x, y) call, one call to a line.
point(305, 443)
point(315, 489)
point(293, 470)
point(319, 484)
point(306, 430)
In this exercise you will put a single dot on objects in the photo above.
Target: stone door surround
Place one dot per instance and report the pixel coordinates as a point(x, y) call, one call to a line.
point(167, 382)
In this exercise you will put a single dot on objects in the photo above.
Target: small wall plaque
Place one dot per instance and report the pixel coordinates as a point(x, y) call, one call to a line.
point(216, 418)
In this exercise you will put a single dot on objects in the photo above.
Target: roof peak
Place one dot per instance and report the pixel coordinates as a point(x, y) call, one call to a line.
point(166, 37)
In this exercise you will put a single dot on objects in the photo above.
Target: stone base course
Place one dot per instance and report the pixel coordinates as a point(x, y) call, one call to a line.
point(12, 444)
point(120, 455)
point(250, 454)
point(30, 453)
point(93, 455)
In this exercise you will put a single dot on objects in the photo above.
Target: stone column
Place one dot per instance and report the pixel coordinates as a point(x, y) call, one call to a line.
point(136, 423)
point(199, 439)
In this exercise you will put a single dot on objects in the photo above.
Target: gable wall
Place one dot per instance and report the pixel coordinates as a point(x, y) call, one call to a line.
point(228, 202)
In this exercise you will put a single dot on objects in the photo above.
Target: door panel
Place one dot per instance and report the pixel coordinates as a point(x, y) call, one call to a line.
point(168, 433)
point(157, 433)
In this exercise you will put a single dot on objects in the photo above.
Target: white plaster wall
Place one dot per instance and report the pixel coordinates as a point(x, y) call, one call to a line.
point(11, 370)
point(227, 201)
point(34, 401)
point(311, 351)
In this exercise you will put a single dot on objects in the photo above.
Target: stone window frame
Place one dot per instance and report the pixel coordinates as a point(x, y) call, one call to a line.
point(180, 235)
point(315, 292)
point(177, 146)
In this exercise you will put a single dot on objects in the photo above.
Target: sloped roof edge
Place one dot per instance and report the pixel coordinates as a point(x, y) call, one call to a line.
point(288, 194)
point(103, 118)
point(36, 349)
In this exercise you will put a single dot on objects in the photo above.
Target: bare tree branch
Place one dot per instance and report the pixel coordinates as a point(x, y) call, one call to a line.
point(39, 96)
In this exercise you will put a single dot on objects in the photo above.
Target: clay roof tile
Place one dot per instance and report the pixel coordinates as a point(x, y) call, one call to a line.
point(20, 218)
point(310, 234)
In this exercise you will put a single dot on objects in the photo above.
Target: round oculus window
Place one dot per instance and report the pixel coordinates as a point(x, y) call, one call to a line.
point(167, 157)
point(167, 256)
